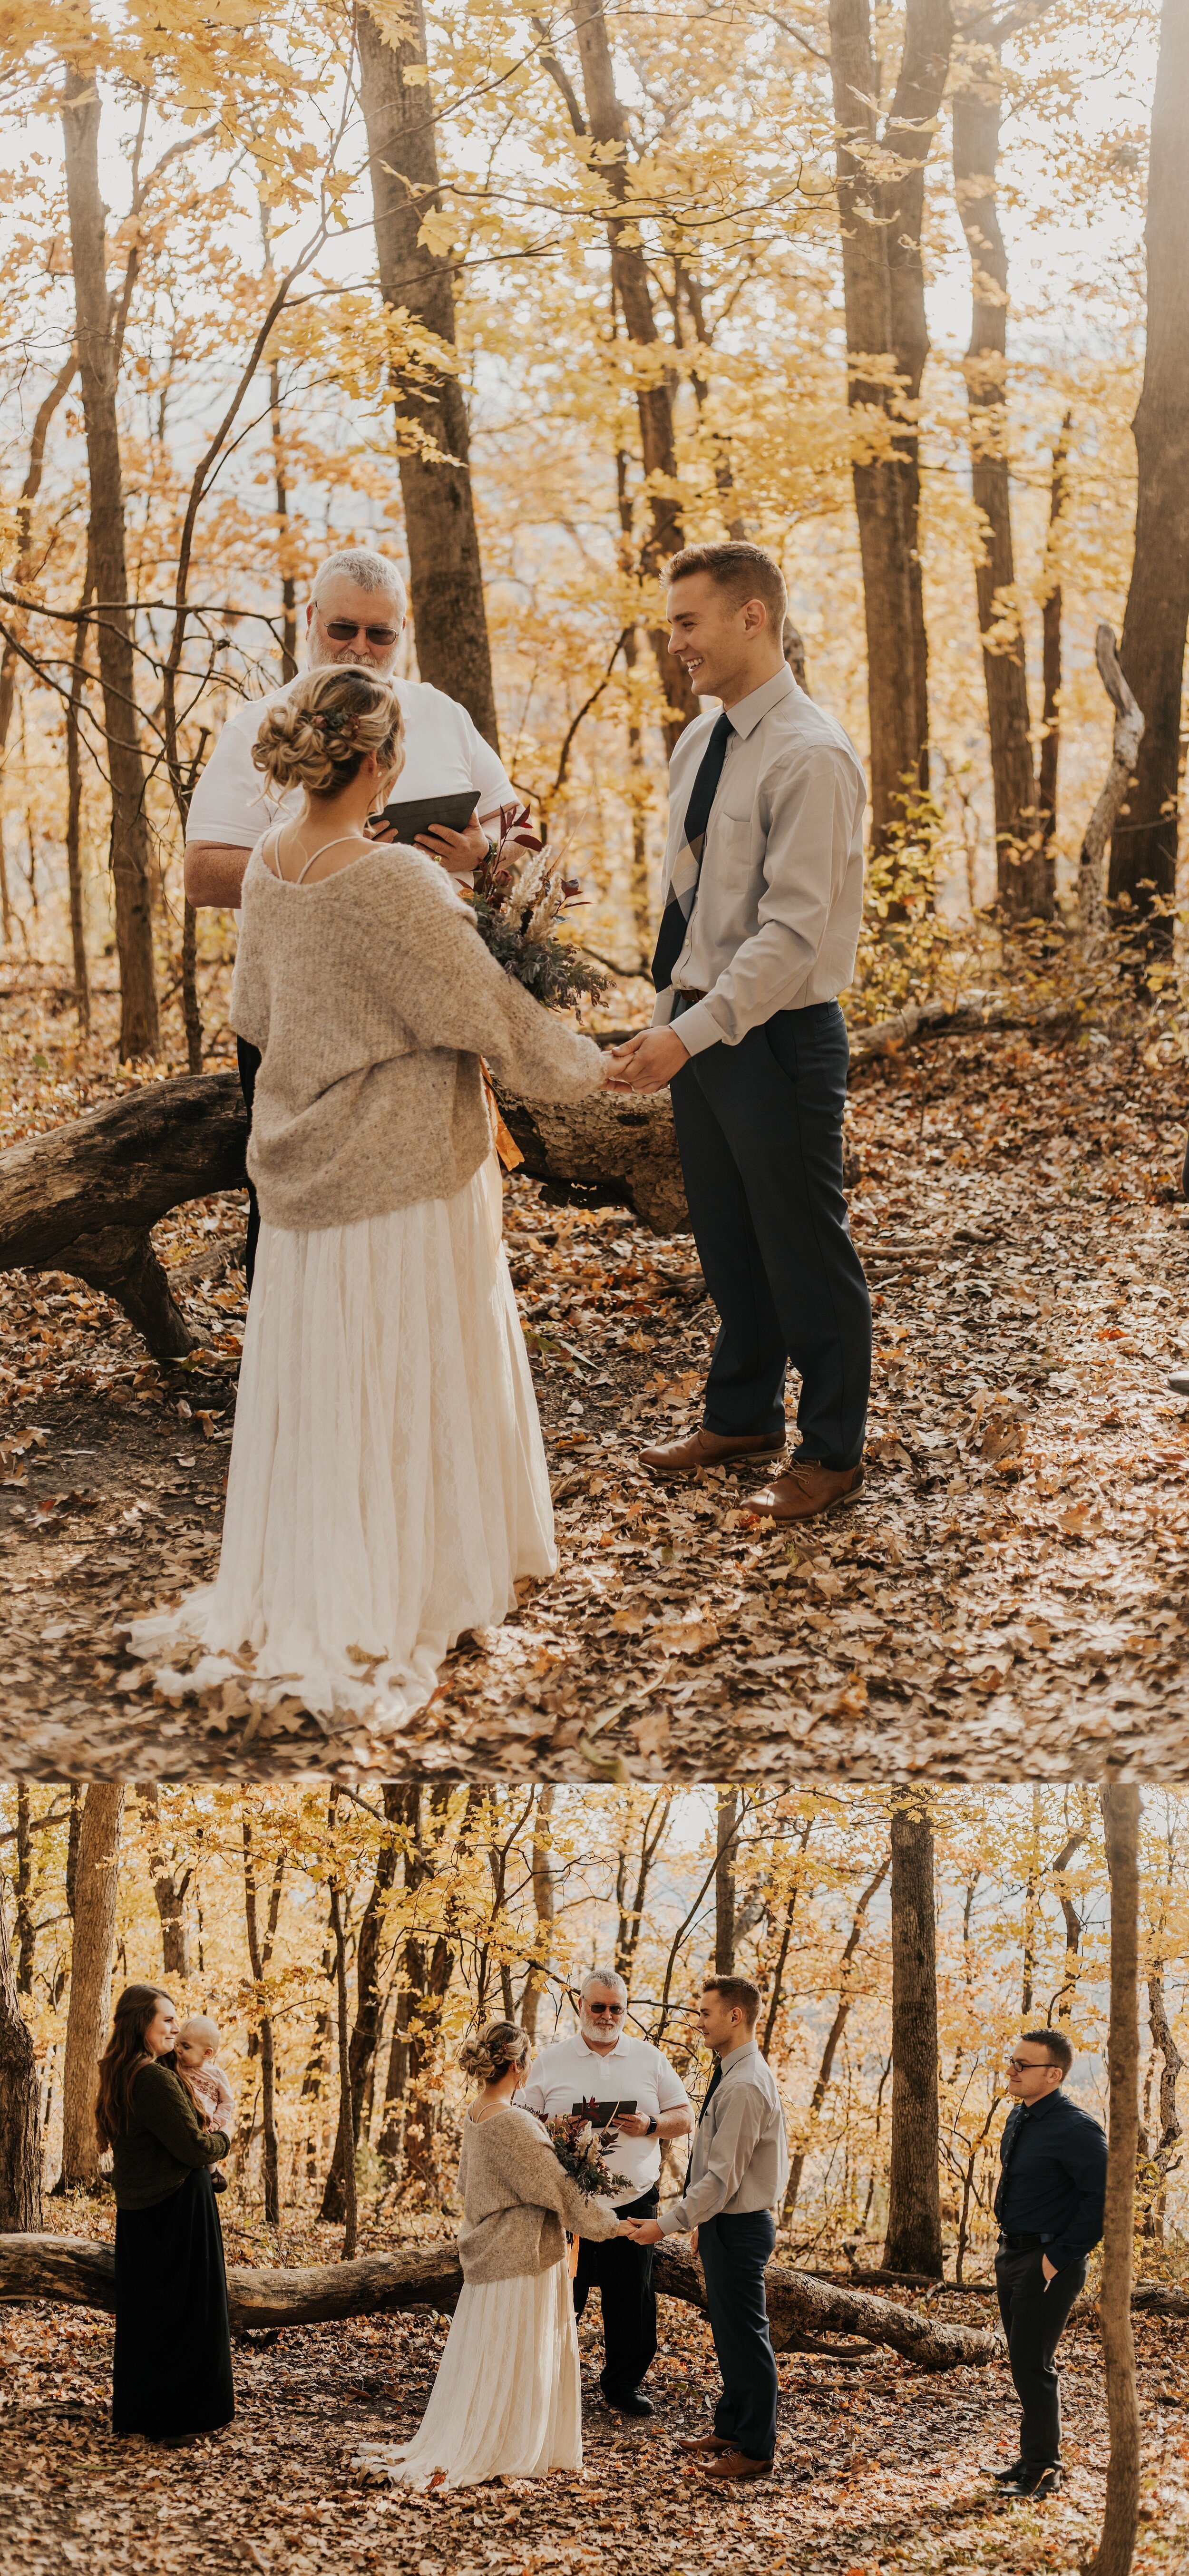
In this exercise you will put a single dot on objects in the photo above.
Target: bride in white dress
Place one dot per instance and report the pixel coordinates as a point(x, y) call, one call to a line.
point(387, 1486)
point(507, 2400)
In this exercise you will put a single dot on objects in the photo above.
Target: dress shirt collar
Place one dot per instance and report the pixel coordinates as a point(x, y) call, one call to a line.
point(1037, 2110)
point(748, 712)
point(747, 2055)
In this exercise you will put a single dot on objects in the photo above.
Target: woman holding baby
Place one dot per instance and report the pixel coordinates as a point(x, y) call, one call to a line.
point(160, 2091)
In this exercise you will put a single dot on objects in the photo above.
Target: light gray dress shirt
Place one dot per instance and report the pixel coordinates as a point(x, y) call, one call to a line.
point(775, 922)
point(740, 2158)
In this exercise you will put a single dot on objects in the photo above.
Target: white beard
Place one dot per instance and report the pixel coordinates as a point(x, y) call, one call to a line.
point(322, 657)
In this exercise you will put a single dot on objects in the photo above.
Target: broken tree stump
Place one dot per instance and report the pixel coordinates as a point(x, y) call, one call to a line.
point(84, 2275)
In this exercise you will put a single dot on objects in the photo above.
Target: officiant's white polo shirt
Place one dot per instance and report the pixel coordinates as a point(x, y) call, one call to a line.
point(570, 2072)
point(445, 755)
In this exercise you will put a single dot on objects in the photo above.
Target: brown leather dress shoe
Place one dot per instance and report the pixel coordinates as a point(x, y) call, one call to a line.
point(706, 2442)
point(735, 2464)
point(805, 1489)
point(703, 1448)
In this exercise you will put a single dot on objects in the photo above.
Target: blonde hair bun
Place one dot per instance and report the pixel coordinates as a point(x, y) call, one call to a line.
point(319, 734)
point(499, 2045)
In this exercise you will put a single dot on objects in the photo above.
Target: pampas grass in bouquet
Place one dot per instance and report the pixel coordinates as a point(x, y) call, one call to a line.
point(578, 2145)
point(521, 893)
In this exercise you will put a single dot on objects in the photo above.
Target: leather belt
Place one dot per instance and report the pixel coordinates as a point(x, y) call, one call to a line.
point(1022, 2244)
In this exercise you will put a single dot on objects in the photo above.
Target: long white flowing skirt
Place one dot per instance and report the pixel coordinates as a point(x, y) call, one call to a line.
point(507, 2400)
point(388, 1484)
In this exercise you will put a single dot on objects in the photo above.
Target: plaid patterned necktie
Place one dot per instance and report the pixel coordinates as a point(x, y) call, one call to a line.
point(687, 867)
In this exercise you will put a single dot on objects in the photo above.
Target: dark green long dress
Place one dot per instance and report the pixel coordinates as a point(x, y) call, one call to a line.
point(172, 2370)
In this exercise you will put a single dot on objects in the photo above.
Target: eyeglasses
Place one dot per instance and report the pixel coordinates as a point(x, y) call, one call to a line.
point(1028, 2065)
point(613, 2011)
point(343, 630)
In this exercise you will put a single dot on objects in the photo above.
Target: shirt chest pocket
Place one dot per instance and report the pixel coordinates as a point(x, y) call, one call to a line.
point(731, 839)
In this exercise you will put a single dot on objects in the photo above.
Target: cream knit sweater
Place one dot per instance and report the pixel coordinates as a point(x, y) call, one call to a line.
point(371, 998)
point(517, 2202)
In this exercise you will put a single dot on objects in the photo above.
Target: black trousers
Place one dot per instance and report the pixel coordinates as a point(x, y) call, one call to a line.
point(623, 2275)
point(248, 1058)
point(735, 2253)
point(759, 1129)
point(1034, 2320)
point(171, 2371)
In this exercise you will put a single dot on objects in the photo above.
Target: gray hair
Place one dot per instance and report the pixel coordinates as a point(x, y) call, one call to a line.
point(368, 569)
point(609, 1977)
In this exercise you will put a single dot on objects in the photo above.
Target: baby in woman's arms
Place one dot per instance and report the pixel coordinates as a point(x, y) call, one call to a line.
point(195, 2050)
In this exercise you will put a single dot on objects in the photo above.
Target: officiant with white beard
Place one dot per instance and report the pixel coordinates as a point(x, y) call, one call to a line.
point(601, 2063)
point(356, 614)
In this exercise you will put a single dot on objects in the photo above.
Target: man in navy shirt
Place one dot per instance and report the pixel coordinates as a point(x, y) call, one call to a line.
point(1049, 2204)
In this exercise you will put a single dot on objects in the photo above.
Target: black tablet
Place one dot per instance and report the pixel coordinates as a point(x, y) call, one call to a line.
point(601, 2114)
point(420, 813)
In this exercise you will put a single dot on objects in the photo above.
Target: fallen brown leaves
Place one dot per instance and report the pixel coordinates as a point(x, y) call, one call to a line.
point(888, 2474)
point(1008, 1598)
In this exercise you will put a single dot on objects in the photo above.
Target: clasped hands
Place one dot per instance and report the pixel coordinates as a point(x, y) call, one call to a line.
point(645, 1063)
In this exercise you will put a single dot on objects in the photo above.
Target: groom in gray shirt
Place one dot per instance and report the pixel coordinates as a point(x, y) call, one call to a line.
point(763, 898)
point(738, 2173)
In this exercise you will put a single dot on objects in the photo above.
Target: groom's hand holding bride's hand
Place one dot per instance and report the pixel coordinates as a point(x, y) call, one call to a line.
point(647, 1062)
point(643, 2231)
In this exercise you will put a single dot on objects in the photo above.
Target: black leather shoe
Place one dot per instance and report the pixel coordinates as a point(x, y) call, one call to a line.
point(629, 2401)
point(1006, 2477)
point(1033, 2484)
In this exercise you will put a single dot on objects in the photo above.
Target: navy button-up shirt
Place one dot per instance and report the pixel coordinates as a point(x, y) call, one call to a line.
point(1053, 2178)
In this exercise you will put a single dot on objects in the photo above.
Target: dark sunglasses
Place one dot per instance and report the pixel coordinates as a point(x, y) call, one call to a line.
point(343, 631)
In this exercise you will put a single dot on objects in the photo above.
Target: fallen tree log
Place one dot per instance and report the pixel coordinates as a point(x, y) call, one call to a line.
point(799, 2307)
point(84, 1197)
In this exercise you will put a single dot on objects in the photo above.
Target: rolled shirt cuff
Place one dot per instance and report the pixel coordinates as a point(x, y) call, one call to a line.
point(672, 2222)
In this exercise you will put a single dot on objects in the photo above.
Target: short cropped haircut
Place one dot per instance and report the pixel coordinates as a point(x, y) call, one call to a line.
point(609, 1978)
point(738, 1991)
point(1055, 2041)
point(743, 571)
point(368, 569)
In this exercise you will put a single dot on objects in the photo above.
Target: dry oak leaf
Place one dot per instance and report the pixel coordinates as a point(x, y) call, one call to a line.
point(685, 1636)
point(652, 1731)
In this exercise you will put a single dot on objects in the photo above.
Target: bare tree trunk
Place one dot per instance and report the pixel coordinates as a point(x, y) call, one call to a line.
point(913, 2242)
point(633, 296)
point(139, 1033)
point(446, 577)
point(260, 1954)
point(545, 1907)
point(1152, 653)
point(74, 826)
point(726, 1848)
point(281, 489)
point(834, 2034)
point(22, 1888)
point(168, 1889)
point(1120, 1817)
point(627, 1933)
point(90, 1978)
point(882, 504)
point(366, 2032)
point(1031, 1903)
point(908, 132)
point(1125, 749)
point(350, 2198)
point(1022, 866)
point(20, 2109)
point(1173, 2064)
point(1051, 632)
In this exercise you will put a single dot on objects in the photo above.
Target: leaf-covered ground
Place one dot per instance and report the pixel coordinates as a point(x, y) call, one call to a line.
point(878, 2469)
point(1007, 1598)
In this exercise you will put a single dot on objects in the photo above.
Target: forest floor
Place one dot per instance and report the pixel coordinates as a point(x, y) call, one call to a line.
point(1008, 1598)
point(878, 2470)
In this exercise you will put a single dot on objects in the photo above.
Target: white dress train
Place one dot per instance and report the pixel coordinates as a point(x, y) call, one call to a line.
point(507, 2400)
point(388, 1485)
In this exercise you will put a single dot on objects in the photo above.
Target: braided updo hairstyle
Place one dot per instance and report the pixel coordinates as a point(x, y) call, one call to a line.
point(319, 734)
point(499, 2045)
